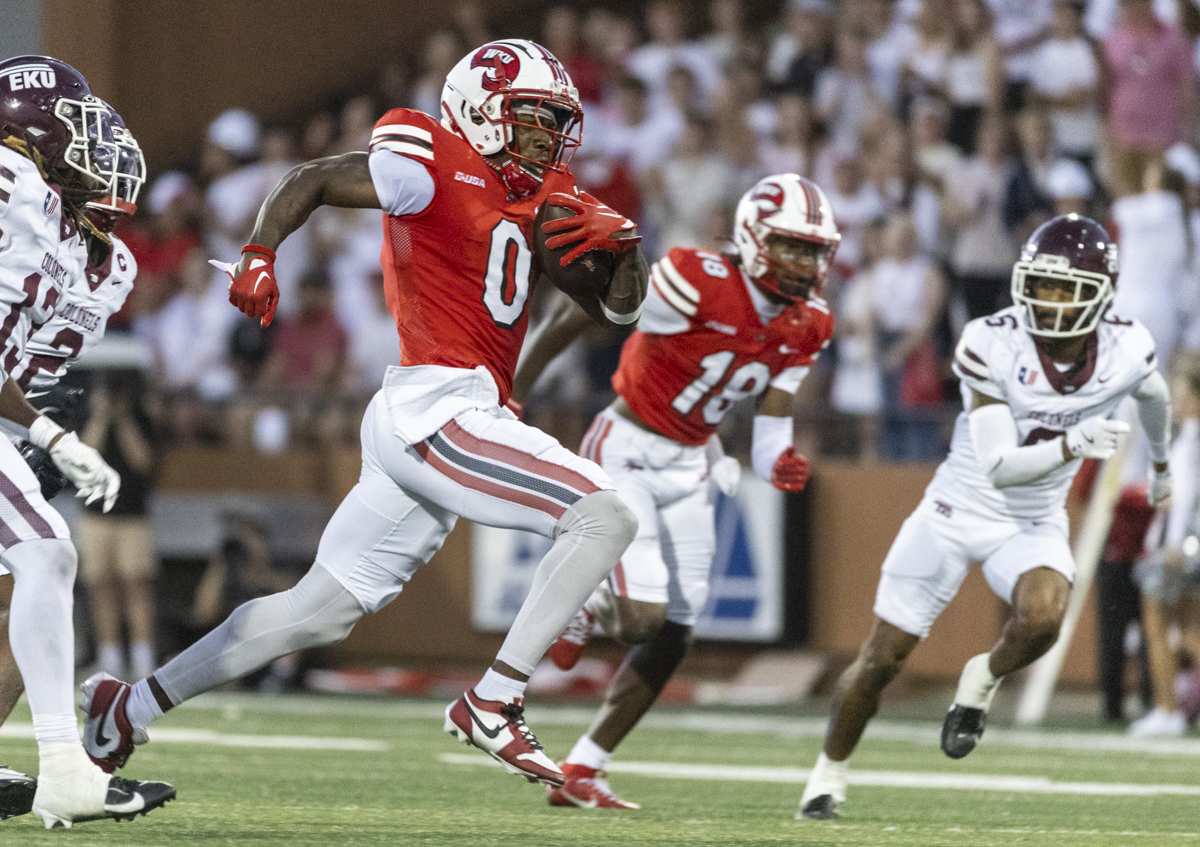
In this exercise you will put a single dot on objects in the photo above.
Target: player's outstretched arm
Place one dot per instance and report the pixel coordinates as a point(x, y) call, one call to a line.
point(562, 325)
point(1005, 463)
point(1154, 410)
point(343, 181)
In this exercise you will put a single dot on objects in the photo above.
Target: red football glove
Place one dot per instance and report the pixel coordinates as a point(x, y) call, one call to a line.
point(790, 472)
point(254, 291)
point(593, 222)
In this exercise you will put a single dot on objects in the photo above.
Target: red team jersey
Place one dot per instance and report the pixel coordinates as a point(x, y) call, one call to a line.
point(458, 274)
point(683, 383)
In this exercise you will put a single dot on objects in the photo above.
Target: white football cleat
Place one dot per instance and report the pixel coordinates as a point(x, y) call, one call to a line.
point(824, 791)
point(70, 789)
point(569, 646)
point(498, 728)
point(1160, 722)
point(108, 736)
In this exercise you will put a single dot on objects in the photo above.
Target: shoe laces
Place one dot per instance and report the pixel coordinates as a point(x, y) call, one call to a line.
point(515, 714)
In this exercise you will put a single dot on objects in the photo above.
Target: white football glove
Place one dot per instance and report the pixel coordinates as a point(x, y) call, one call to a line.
point(1158, 486)
point(1095, 438)
point(724, 471)
point(81, 464)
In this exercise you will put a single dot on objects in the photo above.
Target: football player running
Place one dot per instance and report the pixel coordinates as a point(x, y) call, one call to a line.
point(716, 328)
point(460, 198)
point(1039, 381)
point(57, 152)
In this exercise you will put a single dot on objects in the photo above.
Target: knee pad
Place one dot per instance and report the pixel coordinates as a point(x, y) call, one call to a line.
point(602, 515)
point(44, 559)
point(656, 660)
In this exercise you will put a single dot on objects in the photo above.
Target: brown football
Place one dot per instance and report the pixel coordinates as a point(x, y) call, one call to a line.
point(587, 276)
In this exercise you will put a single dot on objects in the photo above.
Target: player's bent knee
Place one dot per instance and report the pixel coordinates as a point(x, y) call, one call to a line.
point(53, 559)
point(637, 623)
point(605, 514)
point(656, 660)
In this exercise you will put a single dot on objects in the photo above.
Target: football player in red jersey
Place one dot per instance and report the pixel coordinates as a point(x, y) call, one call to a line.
point(460, 199)
point(715, 329)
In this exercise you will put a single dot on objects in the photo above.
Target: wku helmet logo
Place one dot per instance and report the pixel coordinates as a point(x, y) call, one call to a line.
point(768, 198)
point(502, 66)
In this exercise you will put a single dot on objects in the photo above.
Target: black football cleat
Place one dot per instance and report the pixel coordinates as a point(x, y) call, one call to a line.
point(820, 808)
point(16, 793)
point(961, 730)
point(128, 798)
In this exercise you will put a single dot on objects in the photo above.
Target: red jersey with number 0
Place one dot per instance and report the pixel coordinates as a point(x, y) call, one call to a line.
point(458, 275)
point(683, 383)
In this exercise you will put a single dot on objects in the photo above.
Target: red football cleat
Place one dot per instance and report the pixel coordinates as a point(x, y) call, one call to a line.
point(586, 788)
point(565, 652)
point(108, 736)
point(498, 729)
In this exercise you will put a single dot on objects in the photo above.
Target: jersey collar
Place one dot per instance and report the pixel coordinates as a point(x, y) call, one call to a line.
point(1076, 376)
point(767, 311)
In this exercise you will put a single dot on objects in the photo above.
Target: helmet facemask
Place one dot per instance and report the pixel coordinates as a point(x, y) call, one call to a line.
point(92, 152)
point(522, 116)
point(1085, 296)
point(129, 178)
point(795, 266)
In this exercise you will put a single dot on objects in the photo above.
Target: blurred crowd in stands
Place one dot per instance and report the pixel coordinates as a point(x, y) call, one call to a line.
point(943, 131)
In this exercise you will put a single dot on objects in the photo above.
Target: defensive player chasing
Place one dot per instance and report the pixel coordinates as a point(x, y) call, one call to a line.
point(1039, 380)
point(460, 199)
point(58, 153)
point(80, 319)
point(715, 329)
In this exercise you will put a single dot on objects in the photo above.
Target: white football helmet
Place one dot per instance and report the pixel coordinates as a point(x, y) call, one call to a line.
point(504, 84)
point(130, 170)
point(786, 206)
point(1076, 255)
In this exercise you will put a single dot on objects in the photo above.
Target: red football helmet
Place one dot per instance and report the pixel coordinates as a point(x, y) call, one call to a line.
point(1077, 253)
point(508, 84)
point(48, 111)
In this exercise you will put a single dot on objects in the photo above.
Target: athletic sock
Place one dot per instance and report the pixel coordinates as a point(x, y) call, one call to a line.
point(977, 686)
point(588, 753)
point(141, 708)
point(827, 777)
point(49, 729)
point(495, 686)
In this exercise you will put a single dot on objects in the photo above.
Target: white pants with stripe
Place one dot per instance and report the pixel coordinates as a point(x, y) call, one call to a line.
point(665, 483)
point(483, 465)
point(24, 513)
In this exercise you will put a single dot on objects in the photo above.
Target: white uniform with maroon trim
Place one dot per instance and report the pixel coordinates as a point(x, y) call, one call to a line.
point(963, 518)
point(700, 309)
point(436, 442)
point(41, 253)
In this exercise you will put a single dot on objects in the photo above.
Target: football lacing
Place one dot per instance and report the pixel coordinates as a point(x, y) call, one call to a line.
point(516, 718)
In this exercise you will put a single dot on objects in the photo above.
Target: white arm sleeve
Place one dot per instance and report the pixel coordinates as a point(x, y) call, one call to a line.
point(772, 435)
point(994, 434)
point(1154, 410)
point(404, 185)
point(659, 317)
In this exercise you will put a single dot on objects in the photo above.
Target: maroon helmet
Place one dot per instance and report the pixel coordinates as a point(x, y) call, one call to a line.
point(47, 104)
point(1079, 254)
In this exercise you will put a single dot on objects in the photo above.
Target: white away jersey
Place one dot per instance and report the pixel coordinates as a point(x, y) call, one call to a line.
point(998, 358)
point(41, 252)
point(78, 322)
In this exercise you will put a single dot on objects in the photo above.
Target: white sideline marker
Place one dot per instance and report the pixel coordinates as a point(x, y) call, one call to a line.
point(886, 779)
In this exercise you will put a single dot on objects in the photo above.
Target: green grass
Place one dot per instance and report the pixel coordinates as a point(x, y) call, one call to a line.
point(405, 795)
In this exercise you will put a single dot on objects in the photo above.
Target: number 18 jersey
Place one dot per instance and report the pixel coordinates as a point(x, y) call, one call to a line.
point(998, 358)
point(702, 345)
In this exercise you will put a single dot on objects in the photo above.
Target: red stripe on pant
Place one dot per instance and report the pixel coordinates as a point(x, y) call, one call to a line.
point(483, 486)
point(618, 576)
point(10, 492)
point(593, 449)
point(513, 457)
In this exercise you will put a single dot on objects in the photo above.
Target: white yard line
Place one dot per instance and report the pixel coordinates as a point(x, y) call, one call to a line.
point(888, 779)
point(730, 722)
point(221, 739)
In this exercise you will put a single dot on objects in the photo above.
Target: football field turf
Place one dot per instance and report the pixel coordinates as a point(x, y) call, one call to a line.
point(338, 773)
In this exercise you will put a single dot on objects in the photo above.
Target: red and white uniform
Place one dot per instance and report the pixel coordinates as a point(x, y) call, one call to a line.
point(963, 517)
point(707, 339)
point(437, 443)
point(41, 254)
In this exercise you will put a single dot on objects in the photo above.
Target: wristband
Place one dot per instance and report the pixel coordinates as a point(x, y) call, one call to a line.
point(621, 319)
point(258, 248)
point(44, 431)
